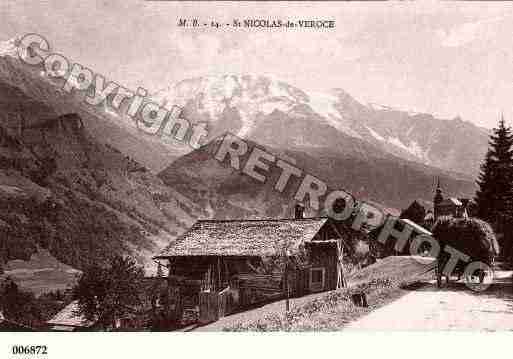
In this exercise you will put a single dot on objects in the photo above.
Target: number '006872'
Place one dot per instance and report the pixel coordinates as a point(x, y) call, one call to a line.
point(29, 350)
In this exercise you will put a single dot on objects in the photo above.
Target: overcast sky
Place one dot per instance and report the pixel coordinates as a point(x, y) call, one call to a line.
point(446, 59)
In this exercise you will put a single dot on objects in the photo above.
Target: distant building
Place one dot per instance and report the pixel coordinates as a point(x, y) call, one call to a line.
point(429, 219)
point(450, 206)
point(141, 317)
point(69, 320)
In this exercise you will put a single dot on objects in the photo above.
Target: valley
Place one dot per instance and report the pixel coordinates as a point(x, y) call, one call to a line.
point(83, 183)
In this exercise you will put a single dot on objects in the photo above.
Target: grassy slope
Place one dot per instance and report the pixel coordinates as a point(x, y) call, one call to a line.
point(42, 273)
point(383, 282)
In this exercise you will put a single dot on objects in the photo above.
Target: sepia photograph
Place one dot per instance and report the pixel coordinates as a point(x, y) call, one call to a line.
point(292, 169)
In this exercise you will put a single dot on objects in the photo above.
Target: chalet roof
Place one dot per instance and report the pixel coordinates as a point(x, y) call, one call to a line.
point(69, 317)
point(451, 201)
point(243, 237)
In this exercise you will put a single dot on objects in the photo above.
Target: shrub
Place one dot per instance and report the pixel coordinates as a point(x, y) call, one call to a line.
point(107, 294)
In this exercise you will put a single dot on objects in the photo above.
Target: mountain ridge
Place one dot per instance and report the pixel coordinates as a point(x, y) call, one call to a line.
point(239, 103)
point(384, 181)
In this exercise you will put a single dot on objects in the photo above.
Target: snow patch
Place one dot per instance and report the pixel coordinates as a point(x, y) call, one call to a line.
point(230, 85)
point(247, 125)
point(269, 107)
point(278, 90)
point(417, 150)
point(413, 148)
point(397, 142)
point(324, 105)
point(379, 107)
point(376, 135)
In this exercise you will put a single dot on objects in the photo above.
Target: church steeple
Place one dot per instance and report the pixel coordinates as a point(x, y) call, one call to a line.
point(438, 198)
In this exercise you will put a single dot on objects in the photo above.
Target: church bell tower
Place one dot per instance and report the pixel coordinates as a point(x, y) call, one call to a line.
point(438, 199)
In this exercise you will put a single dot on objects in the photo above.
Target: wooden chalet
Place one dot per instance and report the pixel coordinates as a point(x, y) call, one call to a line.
point(69, 320)
point(233, 264)
point(146, 315)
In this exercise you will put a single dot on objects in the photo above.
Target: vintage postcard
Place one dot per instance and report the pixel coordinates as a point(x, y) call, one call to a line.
point(187, 167)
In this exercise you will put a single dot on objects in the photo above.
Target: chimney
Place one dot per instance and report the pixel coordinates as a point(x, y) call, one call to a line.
point(299, 211)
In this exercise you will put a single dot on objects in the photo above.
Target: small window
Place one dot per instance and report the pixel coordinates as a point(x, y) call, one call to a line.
point(316, 279)
point(317, 276)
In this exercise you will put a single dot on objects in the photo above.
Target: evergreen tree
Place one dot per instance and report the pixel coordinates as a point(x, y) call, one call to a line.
point(415, 212)
point(19, 306)
point(485, 195)
point(495, 195)
point(494, 198)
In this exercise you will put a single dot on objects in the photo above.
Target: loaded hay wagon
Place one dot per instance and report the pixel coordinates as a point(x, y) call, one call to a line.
point(471, 237)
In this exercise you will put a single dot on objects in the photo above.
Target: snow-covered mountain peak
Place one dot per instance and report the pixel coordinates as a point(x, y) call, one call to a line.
point(262, 107)
point(251, 96)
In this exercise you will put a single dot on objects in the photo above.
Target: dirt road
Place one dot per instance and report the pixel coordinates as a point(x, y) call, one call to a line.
point(452, 308)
